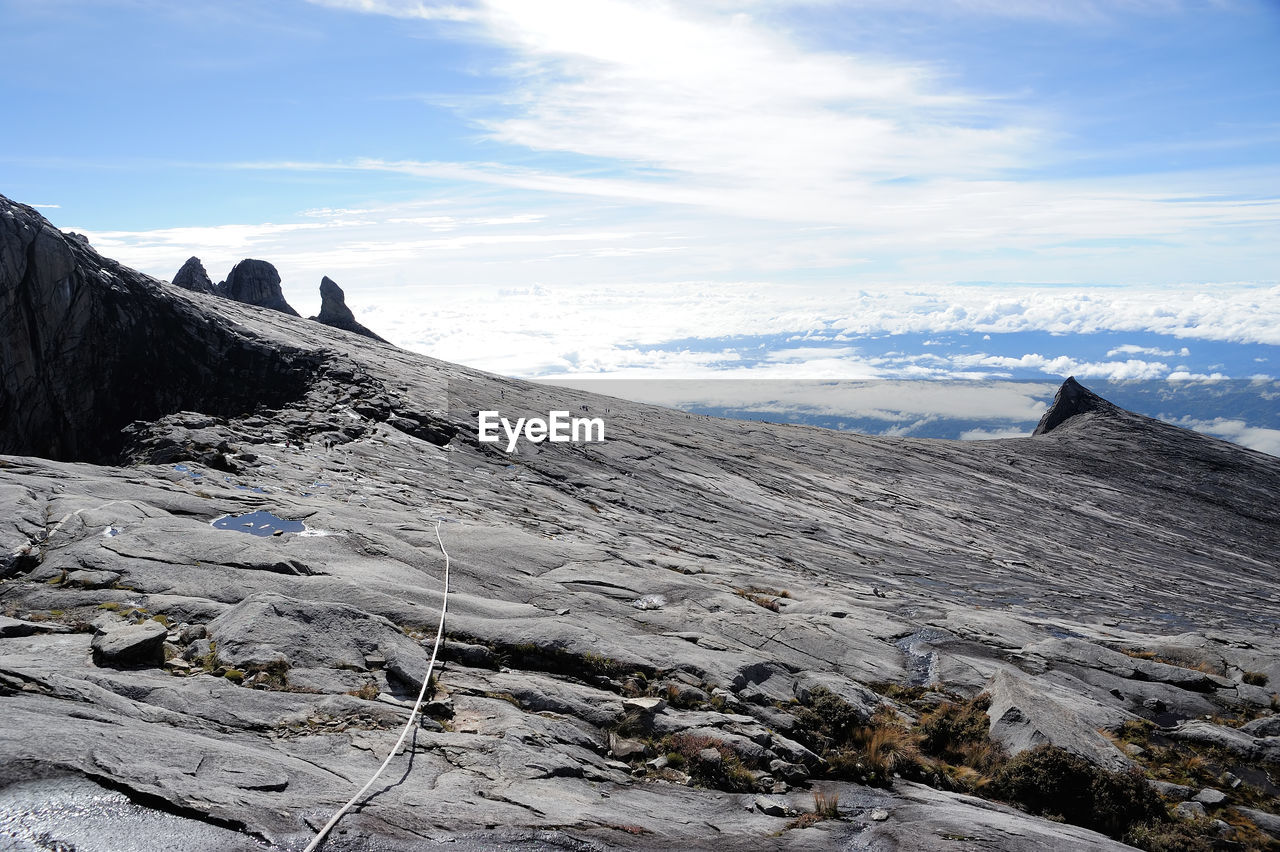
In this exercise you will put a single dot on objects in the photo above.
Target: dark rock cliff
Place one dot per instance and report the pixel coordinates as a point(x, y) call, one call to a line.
point(1071, 400)
point(192, 276)
point(256, 282)
point(335, 313)
point(88, 346)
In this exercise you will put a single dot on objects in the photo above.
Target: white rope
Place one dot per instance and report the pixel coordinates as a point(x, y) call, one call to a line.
point(444, 602)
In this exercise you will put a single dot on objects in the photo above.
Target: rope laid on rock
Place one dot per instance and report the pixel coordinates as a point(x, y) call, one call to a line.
point(417, 706)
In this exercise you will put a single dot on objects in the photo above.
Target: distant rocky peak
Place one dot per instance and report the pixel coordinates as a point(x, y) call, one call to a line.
point(335, 313)
point(192, 276)
point(256, 282)
point(1072, 399)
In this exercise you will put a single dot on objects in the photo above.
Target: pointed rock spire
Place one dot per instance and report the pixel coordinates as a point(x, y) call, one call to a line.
point(256, 282)
point(334, 311)
point(1072, 398)
point(192, 276)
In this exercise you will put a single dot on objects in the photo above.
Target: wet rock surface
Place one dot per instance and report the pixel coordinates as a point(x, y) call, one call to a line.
point(1114, 571)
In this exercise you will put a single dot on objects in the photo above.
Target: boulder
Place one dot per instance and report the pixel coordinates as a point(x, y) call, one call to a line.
point(1025, 714)
point(132, 645)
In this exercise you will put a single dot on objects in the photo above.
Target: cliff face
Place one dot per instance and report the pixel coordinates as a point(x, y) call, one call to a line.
point(88, 346)
point(761, 600)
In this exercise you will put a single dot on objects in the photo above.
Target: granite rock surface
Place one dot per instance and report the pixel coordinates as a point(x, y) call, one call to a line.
point(1110, 570)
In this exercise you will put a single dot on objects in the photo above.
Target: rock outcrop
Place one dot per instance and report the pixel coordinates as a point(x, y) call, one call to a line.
point(335, 313)
point(88, 346)
point(192, 276)
point(256, 282)
point(1072, 399)
point(644, 636)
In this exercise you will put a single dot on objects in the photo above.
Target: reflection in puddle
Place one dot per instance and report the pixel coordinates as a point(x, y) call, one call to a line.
point(261, 523)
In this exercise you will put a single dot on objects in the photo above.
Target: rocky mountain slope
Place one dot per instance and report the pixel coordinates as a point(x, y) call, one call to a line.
point(221, 577)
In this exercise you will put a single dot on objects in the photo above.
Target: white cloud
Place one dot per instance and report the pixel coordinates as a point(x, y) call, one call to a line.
point(992, 434)
point(919, 403)
point(1134, 349)
point(1063, 365)
point(1239, 432)
point(718, 107)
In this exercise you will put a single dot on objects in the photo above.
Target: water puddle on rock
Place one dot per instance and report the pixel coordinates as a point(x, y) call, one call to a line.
point(261, 523)
point(921, 658)
point(75, 813)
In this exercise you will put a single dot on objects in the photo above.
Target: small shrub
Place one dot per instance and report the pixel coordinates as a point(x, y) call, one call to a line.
point(827, 720)
point(959, 732)
point(1255, 678)
point(1052, 782)
point(728, 773)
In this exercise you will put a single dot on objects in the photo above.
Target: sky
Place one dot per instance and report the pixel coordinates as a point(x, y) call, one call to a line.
point(789, 189)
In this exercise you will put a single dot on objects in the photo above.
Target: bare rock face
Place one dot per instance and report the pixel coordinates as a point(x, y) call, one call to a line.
point(256, 282)
point(192, 276)
point(1115, 574)
point(334, 311)
point(88, 346)
point(1072, 399)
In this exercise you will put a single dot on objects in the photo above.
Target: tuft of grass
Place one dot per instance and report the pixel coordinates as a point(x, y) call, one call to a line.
point(368, 692)
point(826, 805)
point(1202, 666)
point(1255, 678)
point(763, 596)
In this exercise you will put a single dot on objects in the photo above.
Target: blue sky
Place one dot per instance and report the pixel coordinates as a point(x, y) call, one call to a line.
point(999, 188)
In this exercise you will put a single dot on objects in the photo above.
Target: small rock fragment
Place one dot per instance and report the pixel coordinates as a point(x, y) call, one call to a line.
point(1210, 796)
